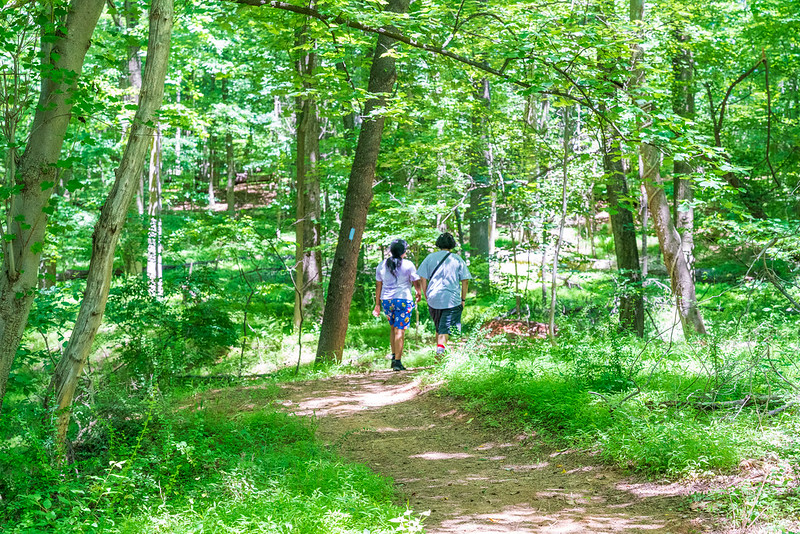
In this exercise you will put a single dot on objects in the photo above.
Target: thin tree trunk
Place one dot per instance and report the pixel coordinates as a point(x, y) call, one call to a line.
point(357, 199)
point(480, 198)
point(229, 189)
point(668, 237)
point(112, 217)
point(154, 232)
point(631, 307)
point(631, 301)
point(684, 105)
point(645, 215)
point(670, 242)
point(551, 331)
point(308, 270)
point(37, 175)
point(212, 199)
point(517, 294)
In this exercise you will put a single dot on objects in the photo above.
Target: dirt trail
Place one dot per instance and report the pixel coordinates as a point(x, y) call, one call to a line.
point(471, 479)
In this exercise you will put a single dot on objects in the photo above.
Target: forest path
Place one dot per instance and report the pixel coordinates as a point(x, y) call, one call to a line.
point(472, 479)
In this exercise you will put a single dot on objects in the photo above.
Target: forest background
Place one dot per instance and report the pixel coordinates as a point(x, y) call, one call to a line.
point(200, 191)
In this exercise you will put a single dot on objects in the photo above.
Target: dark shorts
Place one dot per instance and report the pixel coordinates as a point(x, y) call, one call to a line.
point(446, 320)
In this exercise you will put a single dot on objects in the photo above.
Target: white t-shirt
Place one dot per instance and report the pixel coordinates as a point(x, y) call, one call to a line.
point(399, 287)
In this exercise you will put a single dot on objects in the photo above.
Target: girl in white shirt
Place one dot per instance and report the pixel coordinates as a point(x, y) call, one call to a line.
point(394, 278)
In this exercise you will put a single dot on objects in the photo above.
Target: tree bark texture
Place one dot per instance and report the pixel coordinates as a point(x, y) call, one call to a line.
point(37, 176)
point(669, 239)
point(480, 198)
point(230, 197)
point(684, 105)
point(155, 230)
point(308, 270)
point(631, 302)
point(112, 216)
point(357, 198)
point(551, 331)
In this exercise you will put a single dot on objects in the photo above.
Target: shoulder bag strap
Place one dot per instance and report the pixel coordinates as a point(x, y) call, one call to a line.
point(437, 268)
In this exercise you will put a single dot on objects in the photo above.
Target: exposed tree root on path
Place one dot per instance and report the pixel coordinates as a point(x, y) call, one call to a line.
point(476, 480)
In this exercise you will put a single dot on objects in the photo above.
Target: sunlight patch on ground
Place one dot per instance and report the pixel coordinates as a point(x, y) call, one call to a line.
point(540, 465)
point(362, 394)
point(522, 518)
point(442, 455)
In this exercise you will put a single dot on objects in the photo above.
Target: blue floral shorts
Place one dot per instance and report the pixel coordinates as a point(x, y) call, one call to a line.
point(398, 311)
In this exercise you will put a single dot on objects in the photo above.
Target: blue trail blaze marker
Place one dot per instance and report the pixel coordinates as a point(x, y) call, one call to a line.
point(352, 233)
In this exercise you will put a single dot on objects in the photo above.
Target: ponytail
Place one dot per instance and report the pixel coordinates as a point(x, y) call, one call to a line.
point(397, 249)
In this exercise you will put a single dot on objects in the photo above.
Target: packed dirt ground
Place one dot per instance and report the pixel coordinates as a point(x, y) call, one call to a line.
point(479, 480)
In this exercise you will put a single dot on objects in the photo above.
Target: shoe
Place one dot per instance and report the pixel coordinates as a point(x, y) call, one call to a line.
point(397, 366)
point(440, 350)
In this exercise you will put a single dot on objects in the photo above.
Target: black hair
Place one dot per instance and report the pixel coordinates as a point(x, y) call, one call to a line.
point(397, 248)
point(446, 241)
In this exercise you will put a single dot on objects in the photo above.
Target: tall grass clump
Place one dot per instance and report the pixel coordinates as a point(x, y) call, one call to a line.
point(188, 466)
point(598, 389)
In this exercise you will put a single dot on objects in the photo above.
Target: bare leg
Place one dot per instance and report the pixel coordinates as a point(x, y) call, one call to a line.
point(392, 337)
point(397, 336)
point(441, 339)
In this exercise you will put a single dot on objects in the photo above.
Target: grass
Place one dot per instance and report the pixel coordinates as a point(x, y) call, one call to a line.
point(218, 461)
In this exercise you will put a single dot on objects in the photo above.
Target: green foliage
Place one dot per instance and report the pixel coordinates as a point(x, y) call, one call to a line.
point(619, 395)
point(160, 340)
point(199, 463)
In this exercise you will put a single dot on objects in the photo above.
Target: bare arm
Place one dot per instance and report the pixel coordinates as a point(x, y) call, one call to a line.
point(378, 287)
point(464, 286)
point(423, 286)
point(417, 288)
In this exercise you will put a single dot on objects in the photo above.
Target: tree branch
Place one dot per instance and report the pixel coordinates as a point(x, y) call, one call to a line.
point(397, 36)
point(769, 116)
point(388, 32)
point(738, 80)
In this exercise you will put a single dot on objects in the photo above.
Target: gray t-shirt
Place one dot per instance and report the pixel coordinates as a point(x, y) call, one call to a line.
point(444, 290)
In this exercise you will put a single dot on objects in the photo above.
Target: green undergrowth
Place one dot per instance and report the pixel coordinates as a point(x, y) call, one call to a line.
point(622, 397)
point(216, 461)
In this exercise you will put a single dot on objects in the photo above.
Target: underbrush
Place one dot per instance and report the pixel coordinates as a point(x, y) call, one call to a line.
point(656, 407)
point(215, 462)
point(661, 407)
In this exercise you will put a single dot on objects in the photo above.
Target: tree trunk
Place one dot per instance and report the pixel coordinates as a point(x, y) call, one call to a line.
point(631, 303)
point(551, 331)
point(668, 237)
point(480, 198)
point(645, 215)
point(212, 199)
point(669, 240)
point(623, 228)
point(112, 217)
point(684, 105)
point(308, 271)
point(37, 176)
point(154, 232)
point(357, 199)
point(229, 188)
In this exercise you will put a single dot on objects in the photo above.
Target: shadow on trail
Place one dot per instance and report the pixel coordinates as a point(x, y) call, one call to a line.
point(476, 480)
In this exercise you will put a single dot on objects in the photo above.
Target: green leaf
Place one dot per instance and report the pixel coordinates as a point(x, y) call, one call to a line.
point(73, 185)
point(47, 185)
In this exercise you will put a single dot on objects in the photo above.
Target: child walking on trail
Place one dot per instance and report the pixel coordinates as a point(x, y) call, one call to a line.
point(445, 278)
point(394, 278)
